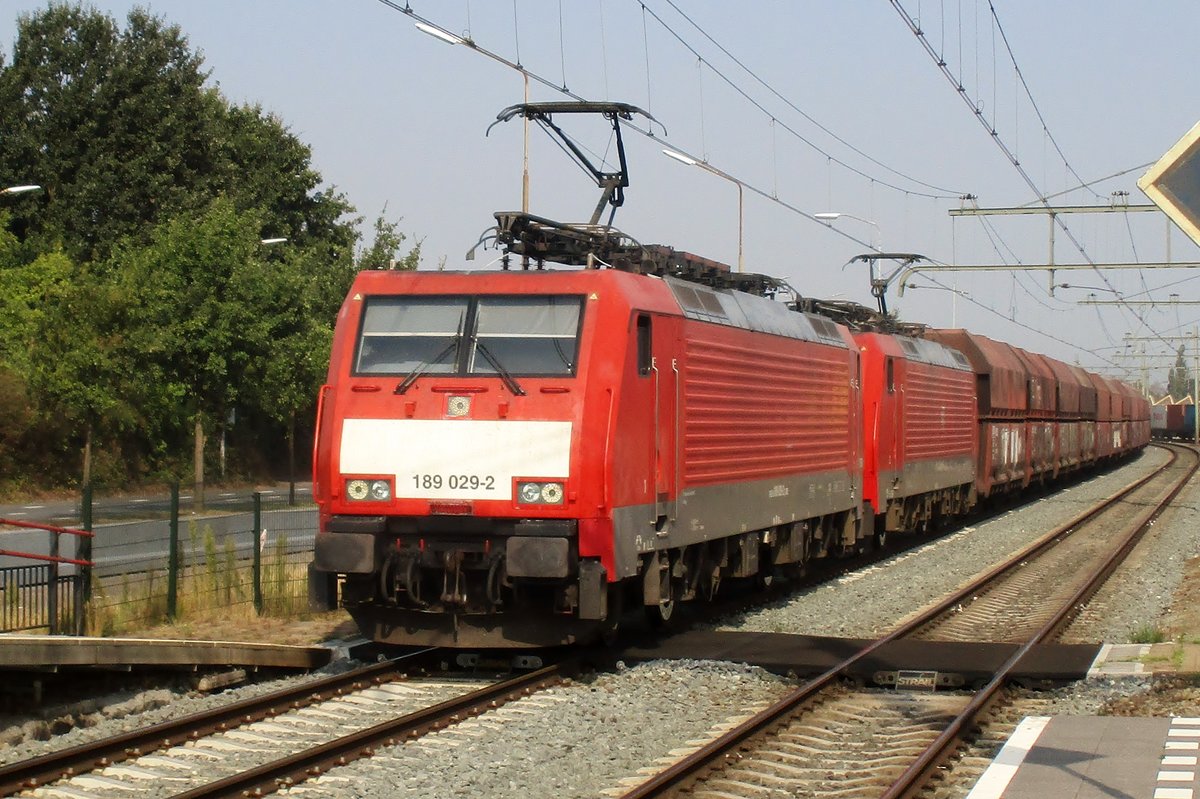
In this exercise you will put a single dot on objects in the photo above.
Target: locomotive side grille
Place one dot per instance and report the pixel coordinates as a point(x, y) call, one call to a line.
point(939, 412)
point(750, 413)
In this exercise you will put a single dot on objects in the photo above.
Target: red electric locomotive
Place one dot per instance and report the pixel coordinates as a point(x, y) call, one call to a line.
point(920, 425)
point(516, 458)
point(510, 458)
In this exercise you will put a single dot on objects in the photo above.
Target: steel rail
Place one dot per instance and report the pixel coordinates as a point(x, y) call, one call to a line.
point(913, 779)
point(689, 768)
point(99, 754)
point(313, 762)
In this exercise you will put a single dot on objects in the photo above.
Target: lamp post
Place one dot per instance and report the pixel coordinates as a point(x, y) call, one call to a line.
point(291, 421)
point(684, 159)
point(443, 35)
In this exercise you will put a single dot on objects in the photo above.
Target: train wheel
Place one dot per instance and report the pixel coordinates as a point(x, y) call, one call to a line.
point(612, 623)
point(660, 615)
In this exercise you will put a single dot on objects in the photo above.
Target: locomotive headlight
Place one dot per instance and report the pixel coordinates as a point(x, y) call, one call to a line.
point(529, 492)
point(368, 490)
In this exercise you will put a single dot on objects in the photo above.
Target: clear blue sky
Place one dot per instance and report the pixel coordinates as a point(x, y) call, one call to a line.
point(396, 117)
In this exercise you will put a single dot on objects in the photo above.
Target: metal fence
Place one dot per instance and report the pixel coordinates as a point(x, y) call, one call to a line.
point(244, 557)
point(45, 590)
point(27, 602)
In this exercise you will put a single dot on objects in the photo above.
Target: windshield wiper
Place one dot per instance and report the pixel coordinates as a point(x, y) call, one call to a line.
point(508, 379)
point(420, 368)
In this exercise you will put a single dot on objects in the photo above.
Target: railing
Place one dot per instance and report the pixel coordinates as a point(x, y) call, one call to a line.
point(40, 595)
point(156, 562)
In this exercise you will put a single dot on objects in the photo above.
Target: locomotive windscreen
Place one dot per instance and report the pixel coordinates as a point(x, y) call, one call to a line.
point(401, 333)
point(470, 335)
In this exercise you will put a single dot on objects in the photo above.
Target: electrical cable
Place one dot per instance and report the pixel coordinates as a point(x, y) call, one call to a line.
point(1016, 322)
point(1009, 153)
point(1021, 76)
point(648, 133)
point(797, 109)
point(795, 133)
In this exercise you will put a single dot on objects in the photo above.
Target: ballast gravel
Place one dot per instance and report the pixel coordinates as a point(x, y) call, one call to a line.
point(577, 740)
point(868, 602)
point(120, 713)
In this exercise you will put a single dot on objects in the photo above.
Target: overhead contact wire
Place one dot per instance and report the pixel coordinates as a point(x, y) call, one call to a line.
point(1010, 154)
point(799, 136)
point(649, 134)
point(801, 112)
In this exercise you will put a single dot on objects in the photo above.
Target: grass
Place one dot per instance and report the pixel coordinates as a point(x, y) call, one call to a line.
point(1147, 634)
point(214, 584)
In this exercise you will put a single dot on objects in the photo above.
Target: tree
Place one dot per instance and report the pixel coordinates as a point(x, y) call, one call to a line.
point(81, 369)
point(263, 166)
point(135, 292)
point(203, 289)
point(116, 124)
point(1179, 382)
point(386, 245)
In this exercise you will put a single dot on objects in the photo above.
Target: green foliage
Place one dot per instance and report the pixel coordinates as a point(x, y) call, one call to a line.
point(117, 124)
point(1179, 380)
point(1147, 634)
point(135, 295)
point(210, 560)
point(384, 250)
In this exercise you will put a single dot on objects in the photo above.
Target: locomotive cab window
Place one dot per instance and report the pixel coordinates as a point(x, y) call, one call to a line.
point(481, 335)
point(525, 335)
point(645, 359)
point(400, 334)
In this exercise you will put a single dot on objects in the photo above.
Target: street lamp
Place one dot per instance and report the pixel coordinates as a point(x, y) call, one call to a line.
point(956, 293)
point(438, 33)
point(828, 217)
point(21, 189)
point(1091, 288)
point(273, 241)
point(685, 159)
point(942, 288)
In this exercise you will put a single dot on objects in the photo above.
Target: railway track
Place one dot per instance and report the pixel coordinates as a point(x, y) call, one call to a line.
point(1029, 591)
point(834, 745)
point(800, 745)
point(256, 746)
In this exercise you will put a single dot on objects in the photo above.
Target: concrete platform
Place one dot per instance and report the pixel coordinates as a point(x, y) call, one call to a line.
point(1096, 757)
point(955, 663)
point(55, 652)
point(1134, 659)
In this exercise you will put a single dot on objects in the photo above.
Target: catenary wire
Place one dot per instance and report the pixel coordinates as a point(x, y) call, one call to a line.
point(795, 133)
point(648, 133)
point(758, 79)
point(1008, 152)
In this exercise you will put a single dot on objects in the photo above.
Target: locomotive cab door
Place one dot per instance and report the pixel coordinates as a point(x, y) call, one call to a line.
point(657, 360)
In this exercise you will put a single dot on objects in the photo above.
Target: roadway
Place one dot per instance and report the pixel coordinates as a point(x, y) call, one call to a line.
point(66, 512)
